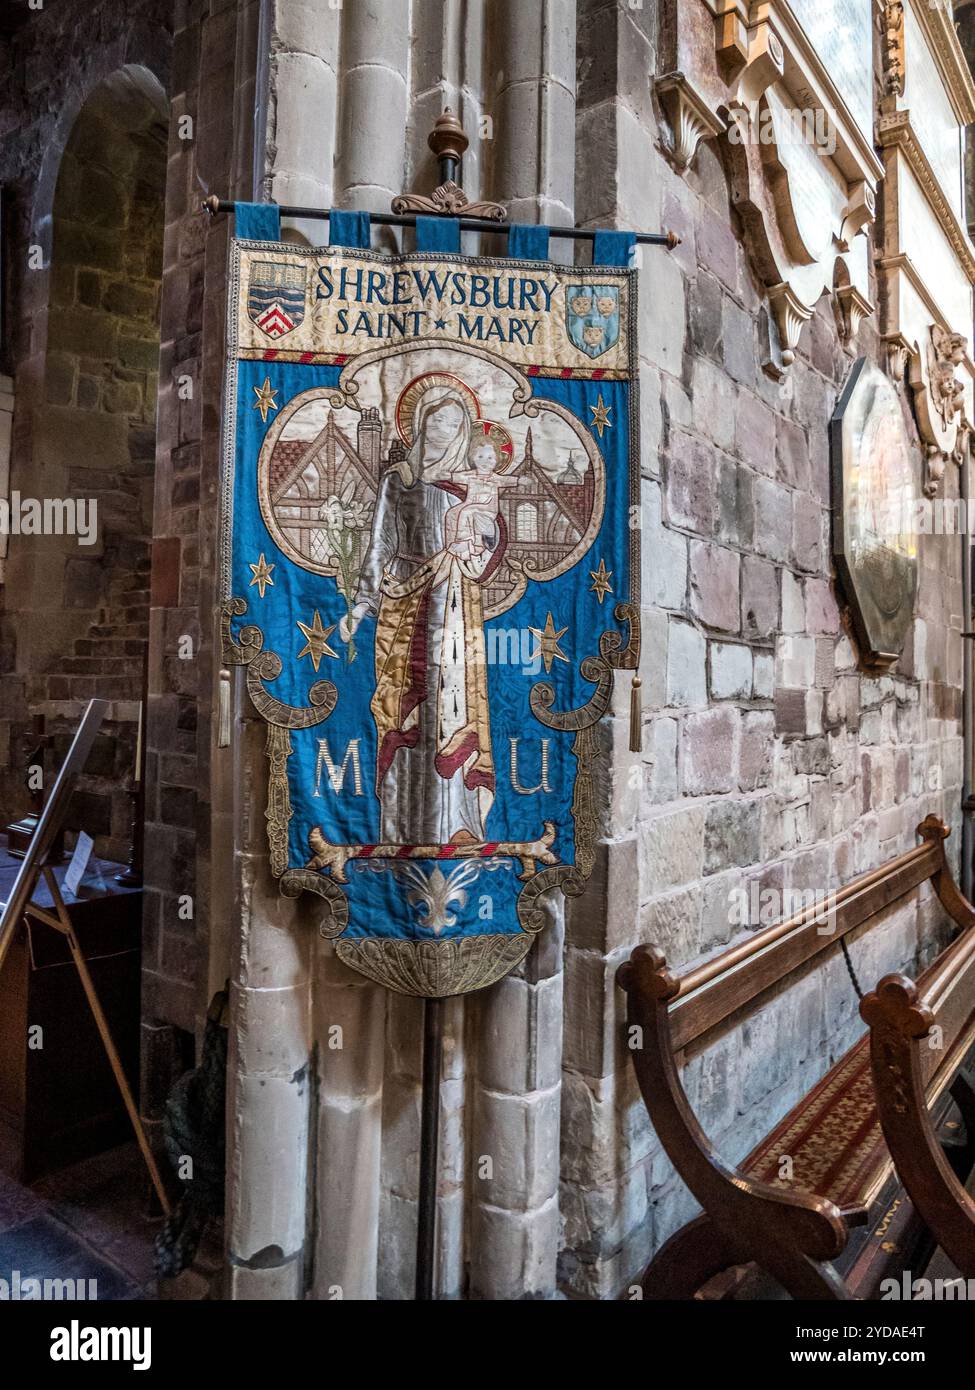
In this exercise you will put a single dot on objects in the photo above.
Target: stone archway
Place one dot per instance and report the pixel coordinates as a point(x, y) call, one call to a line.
point(81, 602)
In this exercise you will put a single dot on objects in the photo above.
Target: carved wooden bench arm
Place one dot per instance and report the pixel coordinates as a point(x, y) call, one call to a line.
point(902, 1022)
point(739, 1206)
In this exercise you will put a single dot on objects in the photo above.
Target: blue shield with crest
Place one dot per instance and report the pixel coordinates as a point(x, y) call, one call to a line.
point(592, 317)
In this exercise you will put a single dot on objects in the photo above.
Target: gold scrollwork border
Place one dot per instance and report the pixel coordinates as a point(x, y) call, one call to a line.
point(247, 649)
point(613, 656)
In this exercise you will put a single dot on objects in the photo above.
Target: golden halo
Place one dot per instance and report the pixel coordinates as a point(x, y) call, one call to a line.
point(410, 395)
point(492, 430)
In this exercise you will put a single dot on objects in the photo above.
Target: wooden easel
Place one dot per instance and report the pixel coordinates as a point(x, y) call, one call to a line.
point(21, 902)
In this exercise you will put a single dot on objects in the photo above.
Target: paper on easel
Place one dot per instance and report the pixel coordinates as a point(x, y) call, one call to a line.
point(79, 863)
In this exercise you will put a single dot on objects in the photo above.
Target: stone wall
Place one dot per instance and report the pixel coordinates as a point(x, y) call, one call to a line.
point(188, 914)
point(769, 757)
point(85, 337)
point(82, 168)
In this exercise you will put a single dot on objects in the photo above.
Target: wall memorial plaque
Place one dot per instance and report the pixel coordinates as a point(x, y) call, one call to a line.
point(874, 506)
point(841, 33)
point(787, 91)
point(429, 573)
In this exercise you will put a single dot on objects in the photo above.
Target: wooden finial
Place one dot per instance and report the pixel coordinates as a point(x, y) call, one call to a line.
point(448, 142)
point(447, 138)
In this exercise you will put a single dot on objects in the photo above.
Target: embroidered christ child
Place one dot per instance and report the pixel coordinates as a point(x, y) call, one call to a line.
point(467, 523)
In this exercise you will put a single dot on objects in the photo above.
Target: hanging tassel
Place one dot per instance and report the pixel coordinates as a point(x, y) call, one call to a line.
point(223, 711)
point(636, 716)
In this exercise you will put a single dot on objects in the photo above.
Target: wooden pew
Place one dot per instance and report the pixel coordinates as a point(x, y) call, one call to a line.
point(795, 1228)
point(920, 1036)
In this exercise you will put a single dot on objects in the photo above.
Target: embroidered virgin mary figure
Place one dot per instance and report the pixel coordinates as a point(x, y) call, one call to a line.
point(434, 768)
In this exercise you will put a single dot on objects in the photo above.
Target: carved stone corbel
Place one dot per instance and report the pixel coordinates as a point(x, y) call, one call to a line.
point(791, 315)
point(854, 308)
point(860, 212)
point(766, 63)
point(691, 119)
point(934, 469)
point(899, 353)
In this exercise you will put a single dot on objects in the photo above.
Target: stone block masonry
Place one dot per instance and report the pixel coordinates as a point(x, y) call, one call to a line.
point(774, 760)
point(770, 759)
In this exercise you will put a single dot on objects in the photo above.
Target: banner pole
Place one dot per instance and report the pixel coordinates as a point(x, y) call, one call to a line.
point(426, 1227)
point(215, 206)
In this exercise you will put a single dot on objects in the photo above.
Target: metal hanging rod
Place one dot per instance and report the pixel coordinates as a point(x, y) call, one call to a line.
point(214, 205)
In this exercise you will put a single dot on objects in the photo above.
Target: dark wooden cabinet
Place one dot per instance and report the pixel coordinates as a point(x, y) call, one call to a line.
point(60, 1099)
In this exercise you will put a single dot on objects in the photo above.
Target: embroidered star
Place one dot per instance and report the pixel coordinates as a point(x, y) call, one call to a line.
point(317, 644)
point(601, 585)
point(600, 416)
point(440, 323)
point(548, 643)
point(262, 575)
point(265, 399)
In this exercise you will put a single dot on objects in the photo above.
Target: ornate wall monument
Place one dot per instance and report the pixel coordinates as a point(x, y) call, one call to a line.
point(926, 262)
point(787, 90)
point(873, 502)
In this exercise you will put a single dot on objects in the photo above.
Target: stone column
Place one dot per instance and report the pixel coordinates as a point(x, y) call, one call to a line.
point(269, 1072)
point(350, 1012)
point(373, 103)
point(273, 1080)
point(300, 70)
point(532, 47)
point(514, 1159)
point(448, 55)
point(608, 1149)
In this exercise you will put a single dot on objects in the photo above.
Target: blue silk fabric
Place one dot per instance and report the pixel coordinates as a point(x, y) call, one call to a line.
point(430, 492)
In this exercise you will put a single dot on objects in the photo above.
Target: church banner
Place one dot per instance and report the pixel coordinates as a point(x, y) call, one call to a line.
point(429, 570)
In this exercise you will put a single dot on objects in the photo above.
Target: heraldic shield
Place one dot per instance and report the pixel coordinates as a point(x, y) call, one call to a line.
point(593, 317)
point(429, 574)
point(275, 297)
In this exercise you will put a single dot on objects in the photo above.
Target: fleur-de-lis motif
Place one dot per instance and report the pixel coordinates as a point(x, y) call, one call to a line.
point(436, 891)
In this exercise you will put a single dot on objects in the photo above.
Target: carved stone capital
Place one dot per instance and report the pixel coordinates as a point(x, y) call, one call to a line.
point(691, 119)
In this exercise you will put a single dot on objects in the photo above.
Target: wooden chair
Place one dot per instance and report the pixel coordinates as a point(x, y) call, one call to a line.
point(796, 1227)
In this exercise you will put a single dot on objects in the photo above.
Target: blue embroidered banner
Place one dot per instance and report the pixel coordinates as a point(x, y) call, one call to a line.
point(429, 570)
